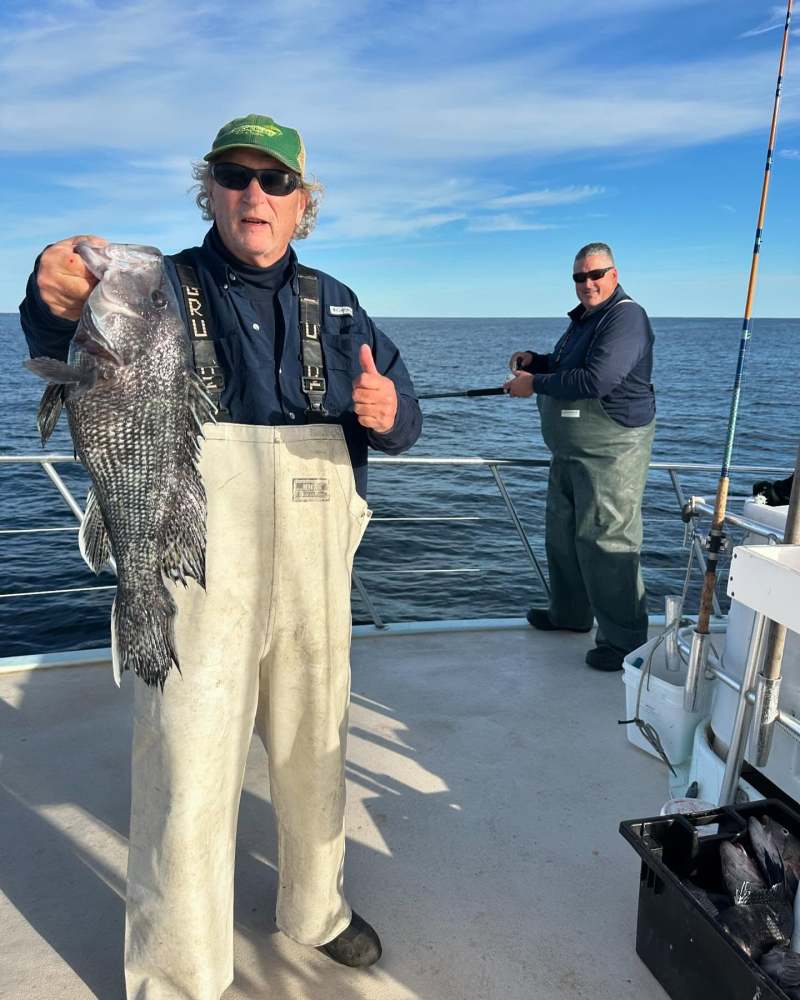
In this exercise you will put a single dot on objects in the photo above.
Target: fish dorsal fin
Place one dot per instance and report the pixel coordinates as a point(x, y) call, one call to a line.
point(203, 409)
point(93, 537)
point(185, 539)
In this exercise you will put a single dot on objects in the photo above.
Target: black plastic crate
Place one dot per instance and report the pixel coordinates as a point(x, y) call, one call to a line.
point(684, 947)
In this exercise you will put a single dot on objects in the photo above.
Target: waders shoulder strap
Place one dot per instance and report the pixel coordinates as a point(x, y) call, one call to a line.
point(599, 328)
point(206, 362)
point(313, 375)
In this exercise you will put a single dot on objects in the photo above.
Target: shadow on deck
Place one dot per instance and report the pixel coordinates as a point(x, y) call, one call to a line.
point(487, 776)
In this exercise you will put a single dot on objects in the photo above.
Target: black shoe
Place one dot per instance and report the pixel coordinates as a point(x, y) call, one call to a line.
point(357, 946)
point(540, 618)
point(605, 658)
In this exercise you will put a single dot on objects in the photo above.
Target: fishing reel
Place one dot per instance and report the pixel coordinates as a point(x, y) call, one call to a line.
point(689, 514)
point(717, 542)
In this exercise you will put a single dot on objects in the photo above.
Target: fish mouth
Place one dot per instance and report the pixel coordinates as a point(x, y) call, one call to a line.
point(95, 258)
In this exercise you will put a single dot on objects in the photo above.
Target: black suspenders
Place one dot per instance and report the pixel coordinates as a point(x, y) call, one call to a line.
point(313, 379)
point(207, 364)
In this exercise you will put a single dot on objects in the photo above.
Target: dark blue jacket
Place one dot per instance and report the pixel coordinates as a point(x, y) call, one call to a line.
point(261, 388)
point(606, 354)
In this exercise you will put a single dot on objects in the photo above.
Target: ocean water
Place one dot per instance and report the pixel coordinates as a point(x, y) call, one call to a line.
point(441, 544)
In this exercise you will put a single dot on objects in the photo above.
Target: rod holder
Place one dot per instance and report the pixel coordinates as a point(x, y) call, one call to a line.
point(765, 715)
point(696, 671)
point(673, 605)
point(741, 721)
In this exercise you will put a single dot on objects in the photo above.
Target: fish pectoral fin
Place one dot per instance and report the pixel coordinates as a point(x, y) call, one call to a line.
point(49, 410)
point(93, 540)
point(54, 371)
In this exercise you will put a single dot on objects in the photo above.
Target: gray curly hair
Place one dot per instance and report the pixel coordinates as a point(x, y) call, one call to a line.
point(201, 172)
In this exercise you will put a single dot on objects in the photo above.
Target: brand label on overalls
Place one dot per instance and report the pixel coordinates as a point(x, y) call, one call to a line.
point(570, 413)
point(304, 490)
point(341, 310)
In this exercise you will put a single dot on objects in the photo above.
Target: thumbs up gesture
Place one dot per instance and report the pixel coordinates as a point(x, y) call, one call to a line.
point(374, 395)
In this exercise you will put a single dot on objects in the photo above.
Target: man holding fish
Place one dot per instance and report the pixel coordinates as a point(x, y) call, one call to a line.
point(304, 383)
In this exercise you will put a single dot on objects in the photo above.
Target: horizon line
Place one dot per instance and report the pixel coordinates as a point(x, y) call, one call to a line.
point(652, 316)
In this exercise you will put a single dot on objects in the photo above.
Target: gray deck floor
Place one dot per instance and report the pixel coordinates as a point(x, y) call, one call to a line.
point(487, 778)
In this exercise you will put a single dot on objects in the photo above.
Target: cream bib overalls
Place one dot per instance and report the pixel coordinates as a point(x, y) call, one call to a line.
point(266, 645)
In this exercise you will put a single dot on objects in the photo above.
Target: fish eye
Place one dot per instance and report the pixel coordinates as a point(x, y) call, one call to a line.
point(158, 299)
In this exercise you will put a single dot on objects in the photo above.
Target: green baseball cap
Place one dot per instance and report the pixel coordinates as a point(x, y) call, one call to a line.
point(265, 135)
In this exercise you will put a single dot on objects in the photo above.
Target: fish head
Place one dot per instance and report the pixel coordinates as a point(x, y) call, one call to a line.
point(124, 316)
point(778, 833)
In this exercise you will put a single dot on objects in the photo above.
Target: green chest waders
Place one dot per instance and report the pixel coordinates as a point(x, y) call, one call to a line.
point(593, 527)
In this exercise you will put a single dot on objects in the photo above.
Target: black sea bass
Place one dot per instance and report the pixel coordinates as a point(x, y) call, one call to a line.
point(136, 410)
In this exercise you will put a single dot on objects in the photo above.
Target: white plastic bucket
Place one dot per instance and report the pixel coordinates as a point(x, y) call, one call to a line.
point(661, 703)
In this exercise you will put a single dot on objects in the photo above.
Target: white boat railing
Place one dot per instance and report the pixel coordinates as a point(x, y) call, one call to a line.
point(494, 466)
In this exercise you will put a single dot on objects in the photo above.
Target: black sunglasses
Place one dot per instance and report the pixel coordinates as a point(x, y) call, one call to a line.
point(235, 177)
point(580, 277)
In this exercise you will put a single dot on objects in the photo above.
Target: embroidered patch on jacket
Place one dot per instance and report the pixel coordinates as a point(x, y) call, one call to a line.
point(341, 310)
point(570, 413)
point(305, 490)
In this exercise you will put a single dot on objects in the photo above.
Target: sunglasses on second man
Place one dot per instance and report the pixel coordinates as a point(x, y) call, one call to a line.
point(236, 177)
point(581, 277)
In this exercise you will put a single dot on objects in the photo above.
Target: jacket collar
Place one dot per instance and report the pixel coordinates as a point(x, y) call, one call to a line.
point(580, 310)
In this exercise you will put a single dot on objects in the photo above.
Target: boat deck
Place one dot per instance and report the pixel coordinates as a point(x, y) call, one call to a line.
point(487, 777)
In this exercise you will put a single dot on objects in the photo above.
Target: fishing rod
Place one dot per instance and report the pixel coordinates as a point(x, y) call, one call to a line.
point(698, 657)
point(498, 391)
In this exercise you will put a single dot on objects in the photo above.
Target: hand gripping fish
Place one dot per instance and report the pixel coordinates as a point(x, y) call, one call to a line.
point(136, 411)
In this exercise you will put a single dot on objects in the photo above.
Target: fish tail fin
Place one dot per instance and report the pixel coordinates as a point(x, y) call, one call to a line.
point(143, 634)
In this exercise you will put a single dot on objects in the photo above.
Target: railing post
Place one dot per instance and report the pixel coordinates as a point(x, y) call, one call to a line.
point(518, 525)
point(377, 621)
point(63, 489)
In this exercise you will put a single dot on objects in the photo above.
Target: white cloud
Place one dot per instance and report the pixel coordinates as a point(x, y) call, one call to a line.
point(777, 19)
point(150, 75)
point(546, 197)
point(373, 224)
point(420, 118)
point(506, 223)
point(790, 154)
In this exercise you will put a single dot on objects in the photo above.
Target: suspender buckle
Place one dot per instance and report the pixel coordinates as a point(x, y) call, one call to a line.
point(312, 384)
point(211, 376)
point(310, 331)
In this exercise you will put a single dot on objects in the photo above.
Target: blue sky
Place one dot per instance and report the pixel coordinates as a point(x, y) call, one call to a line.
point(467, 148)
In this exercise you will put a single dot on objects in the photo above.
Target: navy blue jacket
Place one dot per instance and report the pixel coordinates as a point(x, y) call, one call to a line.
point(261, 388)
point(606, 354)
